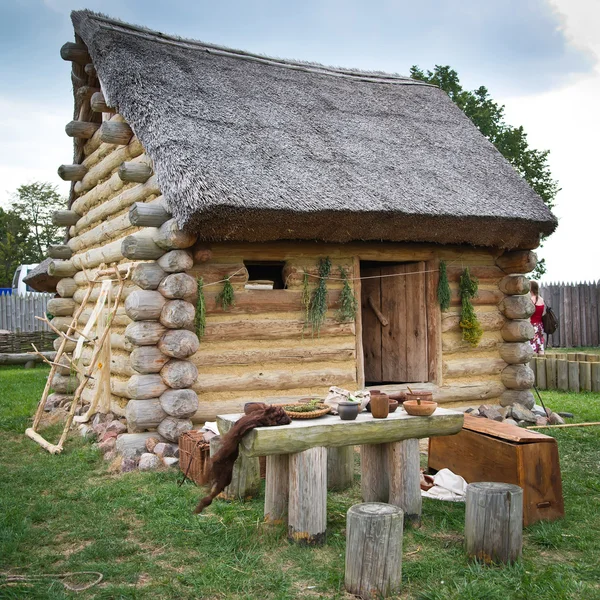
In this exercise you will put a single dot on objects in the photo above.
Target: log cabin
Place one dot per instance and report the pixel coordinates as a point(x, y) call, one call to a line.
point(194, 161)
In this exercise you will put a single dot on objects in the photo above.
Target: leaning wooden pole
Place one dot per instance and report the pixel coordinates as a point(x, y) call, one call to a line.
point(59, 353)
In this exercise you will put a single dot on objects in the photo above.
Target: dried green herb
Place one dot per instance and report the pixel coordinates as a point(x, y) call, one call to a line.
point(225, 297)
point(469, 323)
point(200, 318)
point(305, 298)
point(443, 291)
point(317, 309)
point(348, 303)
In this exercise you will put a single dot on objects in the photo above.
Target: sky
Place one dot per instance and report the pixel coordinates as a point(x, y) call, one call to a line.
point(540, 58)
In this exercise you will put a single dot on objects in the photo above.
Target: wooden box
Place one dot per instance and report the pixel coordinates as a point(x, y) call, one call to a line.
point(486, 450)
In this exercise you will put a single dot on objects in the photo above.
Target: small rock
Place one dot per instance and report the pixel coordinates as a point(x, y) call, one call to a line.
point(99, 429)
point(541, 421)
point(538, 410)
point(510, 421)
point(109, 435)
point(555, 419)
point(474, 413)
point(566, 415)
point(469, 410)
point(490, 412)
point(110, 456)
point(128, 464)
point(151, 443)
point(97, 419)
point(148, 462)
point(107, 445)
point(163, 449)
point(503, 410)
point(117, 427)
point(171, 461)
point(86, 431)
point(176, 453)
point(520, 413)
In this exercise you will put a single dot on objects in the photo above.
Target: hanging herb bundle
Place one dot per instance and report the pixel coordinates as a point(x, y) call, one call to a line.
point(200, 319)
point(443, 291)
point(317, 308)
point(225, 297)
point(348, 303)
point(305, 298)
point(471, 328)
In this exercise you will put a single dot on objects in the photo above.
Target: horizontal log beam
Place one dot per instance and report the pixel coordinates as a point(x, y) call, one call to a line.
point(213, 354)
point(514, 285)
point(138, 247)
point(20, 358)
point(62, 252)
point(61, 268)
point(148, 215)
point(82, 130)
point(98, 103)
point(66, 287)
point(272, 330)
point(490, 321)
point(275, 380)
point(90, 70)
point(489, 274)
point(483, 297)
point(115, 132)
point(77, 53)
point(473, 366)
point(135, 172)
point(61, 307)
point(72, 172)
point(518, 261)
point(65, 218)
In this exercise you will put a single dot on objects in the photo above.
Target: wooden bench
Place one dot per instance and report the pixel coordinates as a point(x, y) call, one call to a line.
point(487, 450)
point(296, 480)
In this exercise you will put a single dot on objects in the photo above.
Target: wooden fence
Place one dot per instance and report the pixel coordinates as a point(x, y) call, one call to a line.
point(18, 312)
point(577, 372)
point(577, 307)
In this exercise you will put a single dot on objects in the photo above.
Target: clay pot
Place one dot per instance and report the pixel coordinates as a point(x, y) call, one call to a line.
point(393, 405)
point(348, 411)
point(426, 408)
point(400, 397)
point(380, 406)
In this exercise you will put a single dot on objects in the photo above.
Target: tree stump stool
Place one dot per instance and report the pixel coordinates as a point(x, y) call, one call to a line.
point(494, 522)
point(374, 550)
point(245, 479)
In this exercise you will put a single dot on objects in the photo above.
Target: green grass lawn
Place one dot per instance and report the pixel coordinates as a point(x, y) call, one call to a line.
point(583, 349)
point(68, 513)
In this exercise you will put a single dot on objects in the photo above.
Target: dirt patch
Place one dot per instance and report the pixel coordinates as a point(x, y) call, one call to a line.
point(75, 548)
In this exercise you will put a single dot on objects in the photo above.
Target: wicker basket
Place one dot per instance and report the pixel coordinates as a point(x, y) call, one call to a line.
point(193, 454)
point(305, 415)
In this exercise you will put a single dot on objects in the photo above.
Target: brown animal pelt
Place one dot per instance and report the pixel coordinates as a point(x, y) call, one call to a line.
point(220, 467)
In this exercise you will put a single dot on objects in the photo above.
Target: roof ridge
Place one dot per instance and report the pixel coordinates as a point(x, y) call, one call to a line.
point(106, 22)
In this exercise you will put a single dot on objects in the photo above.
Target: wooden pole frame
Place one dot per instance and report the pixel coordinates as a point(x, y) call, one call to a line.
point(98, 349)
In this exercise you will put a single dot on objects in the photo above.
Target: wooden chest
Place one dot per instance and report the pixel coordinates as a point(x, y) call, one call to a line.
point(486, 450)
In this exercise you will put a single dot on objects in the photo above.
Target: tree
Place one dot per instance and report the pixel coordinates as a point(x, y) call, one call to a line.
point(488, 117)
point(35, 203)
point(16, 245)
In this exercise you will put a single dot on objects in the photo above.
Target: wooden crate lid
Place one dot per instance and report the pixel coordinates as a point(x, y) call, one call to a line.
point(504, 431)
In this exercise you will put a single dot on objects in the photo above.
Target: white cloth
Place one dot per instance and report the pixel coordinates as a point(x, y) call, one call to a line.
point(447, 486)
point(337, 395)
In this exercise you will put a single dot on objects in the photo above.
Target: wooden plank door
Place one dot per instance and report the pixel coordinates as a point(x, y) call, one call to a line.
point(396, 352)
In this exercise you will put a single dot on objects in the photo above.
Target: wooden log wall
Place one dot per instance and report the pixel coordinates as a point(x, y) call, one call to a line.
point(260, 350)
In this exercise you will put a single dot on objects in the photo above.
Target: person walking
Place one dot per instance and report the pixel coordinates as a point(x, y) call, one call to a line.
point(537, 343)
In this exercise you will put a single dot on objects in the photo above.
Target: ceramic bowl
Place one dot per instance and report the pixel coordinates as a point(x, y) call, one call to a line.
point(393, 405)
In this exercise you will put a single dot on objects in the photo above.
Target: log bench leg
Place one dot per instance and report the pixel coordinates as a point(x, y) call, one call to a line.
point(277, 485)
point(340, 468)
point(307, 518)
point(403, 468)
point(373, 467)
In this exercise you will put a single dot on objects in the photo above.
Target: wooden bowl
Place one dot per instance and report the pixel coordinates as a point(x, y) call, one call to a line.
point(426, 408)
point(420, 394)
point(393, 405)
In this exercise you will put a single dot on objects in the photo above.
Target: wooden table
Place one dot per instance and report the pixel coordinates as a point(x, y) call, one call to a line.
point(297, 463)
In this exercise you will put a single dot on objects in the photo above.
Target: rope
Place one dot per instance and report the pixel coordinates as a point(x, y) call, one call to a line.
point(12, 579)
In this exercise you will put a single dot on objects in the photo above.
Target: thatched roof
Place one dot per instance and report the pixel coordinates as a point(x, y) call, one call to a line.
point(250, 148)
point(39, 280)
